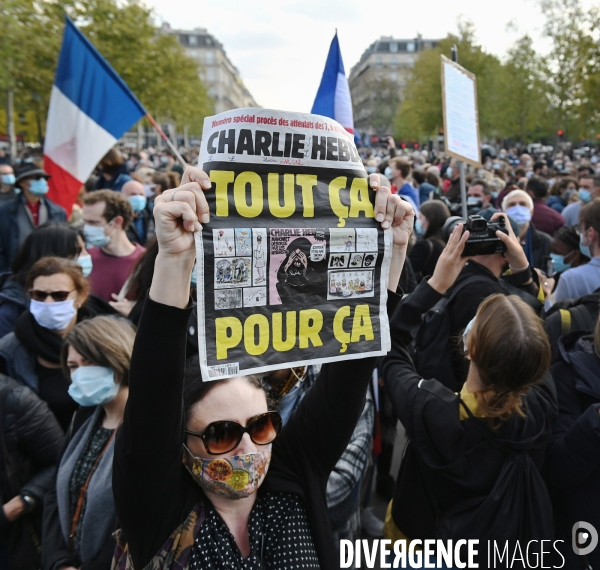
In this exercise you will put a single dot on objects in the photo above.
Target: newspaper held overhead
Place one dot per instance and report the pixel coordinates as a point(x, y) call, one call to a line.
point(461, 119)
point(295, 266)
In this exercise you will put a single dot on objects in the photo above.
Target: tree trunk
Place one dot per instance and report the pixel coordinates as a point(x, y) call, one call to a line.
point(10, 124)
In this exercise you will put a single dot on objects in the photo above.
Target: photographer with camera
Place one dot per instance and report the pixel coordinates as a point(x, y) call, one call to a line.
point(471, 467)
point(497, 264)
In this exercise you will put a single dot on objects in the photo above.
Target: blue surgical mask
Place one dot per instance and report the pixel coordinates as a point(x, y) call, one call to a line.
point(93, 385)
point(585, 249)
point(95, 236)
point(54, 316)
point(8, 179)
point(370, 169)
point(449, 172)
point(585, 195)
point(473, 201)
point(138, 203)
point(86, 264)
point(520, 214)
point(388, 173)
point(39, 187)
point(495, 194)
point(466, 333)
point(559, 263)
point(419, 228)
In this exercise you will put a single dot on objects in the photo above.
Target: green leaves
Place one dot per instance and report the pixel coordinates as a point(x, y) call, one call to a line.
point(153, 64)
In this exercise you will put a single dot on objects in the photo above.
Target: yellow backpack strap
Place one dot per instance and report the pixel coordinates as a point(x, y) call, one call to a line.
point(565, 321)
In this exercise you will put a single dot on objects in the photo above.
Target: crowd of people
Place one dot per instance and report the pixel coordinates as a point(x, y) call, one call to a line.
point(108, 430)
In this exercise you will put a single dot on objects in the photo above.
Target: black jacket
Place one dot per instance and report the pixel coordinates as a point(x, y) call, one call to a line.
point(153, 491)
point(540, 243)
point(573, 460)
point(33, 441)
point(455, 461)
point(9, 226)
point(424, 255)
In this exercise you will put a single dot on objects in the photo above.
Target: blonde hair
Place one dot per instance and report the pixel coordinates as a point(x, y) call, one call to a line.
point(102, 341)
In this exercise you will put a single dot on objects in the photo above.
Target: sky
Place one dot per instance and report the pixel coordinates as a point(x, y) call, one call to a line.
point(280, 46)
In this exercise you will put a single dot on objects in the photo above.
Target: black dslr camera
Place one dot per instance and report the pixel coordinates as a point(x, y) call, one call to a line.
point(482, 234)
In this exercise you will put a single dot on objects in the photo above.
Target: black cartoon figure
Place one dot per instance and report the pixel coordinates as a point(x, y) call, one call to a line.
point(298, 276)
point(369, 259)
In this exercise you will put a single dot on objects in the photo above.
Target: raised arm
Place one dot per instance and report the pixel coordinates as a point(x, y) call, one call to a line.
point(147, 474)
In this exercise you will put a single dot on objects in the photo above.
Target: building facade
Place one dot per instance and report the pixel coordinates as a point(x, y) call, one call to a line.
point(221, 77)
point(378, 81)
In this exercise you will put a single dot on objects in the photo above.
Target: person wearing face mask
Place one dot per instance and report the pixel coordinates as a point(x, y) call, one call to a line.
point(583, 280)
point(235, 486)
point(31, 354)
point(589, 188)
point(452, 174)
point(141, 228)
point(50, 239)
point(560, 193)
point(107, 216)
point(112, 172)
point(519, 207)
point(79, 510)
point(544, 218)
point(7, 183)
point(564, 250)
point(30, 209)
point(397, 172)
point(425, 253)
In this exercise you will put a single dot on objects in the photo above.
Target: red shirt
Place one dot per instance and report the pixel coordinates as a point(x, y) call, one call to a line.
point(109, 272)
point(34, 208)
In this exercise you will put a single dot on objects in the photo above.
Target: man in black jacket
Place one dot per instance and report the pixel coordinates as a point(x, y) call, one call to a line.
point(31, 442)
point(30, 209)
point(486, 276)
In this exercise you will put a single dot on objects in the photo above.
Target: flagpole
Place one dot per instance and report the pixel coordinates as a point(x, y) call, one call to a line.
point(166, 139)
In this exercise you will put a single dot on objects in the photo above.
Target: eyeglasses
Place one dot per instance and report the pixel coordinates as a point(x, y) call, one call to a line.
point(224, 436)
point(57, 296)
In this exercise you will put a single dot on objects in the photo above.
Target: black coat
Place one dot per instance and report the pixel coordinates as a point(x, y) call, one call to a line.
point(451, 460)
point(573, 460)
point(9, 226)
point(34, 441)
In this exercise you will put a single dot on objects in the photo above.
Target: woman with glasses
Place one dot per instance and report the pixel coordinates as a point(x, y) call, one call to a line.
point(31, 353)
point(204, 475)
point(79, 511)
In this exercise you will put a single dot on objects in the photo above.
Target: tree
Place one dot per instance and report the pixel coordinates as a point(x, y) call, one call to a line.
point(574, 63)
point(153, 64)
point(420, 113)
point(524, 103)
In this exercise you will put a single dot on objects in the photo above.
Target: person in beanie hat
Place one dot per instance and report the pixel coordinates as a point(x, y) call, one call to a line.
point(31, 208)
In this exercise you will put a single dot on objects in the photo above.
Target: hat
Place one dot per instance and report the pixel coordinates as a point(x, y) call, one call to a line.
point(28, 171)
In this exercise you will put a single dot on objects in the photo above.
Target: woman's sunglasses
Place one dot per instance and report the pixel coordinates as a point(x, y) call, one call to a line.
point(41, 296)
point(222, 437)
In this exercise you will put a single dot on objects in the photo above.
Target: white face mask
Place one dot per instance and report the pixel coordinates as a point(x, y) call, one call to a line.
point(86, 264)
point(95, 236)
point(93, 385)
point(53, 316)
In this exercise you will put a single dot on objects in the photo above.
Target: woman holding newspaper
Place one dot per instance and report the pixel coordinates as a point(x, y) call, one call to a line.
point(204, 475)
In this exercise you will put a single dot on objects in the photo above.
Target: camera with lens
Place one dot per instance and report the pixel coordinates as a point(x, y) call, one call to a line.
point(482, 234)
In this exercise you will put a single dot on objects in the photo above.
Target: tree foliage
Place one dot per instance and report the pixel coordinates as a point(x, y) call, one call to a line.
point(526, 96)
point(153, 64)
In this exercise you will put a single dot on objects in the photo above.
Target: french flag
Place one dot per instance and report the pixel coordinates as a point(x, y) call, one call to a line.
point(333, 97)
point(90, 108)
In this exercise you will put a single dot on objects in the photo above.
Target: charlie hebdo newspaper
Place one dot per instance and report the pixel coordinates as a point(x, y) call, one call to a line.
point(295, 266)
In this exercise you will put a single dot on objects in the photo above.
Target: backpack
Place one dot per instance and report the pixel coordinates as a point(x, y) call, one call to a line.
point(573, 315)
point(433, 342)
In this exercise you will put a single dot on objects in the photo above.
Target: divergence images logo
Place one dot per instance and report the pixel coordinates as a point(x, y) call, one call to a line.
point(585, 538)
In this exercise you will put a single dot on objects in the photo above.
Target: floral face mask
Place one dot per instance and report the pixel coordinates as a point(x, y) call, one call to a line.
point(234, 477)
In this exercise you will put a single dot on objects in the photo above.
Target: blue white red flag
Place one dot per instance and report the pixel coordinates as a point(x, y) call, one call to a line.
point(90, 108)
point(333, 97)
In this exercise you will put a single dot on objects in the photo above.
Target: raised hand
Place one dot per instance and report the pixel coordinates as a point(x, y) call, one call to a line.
point(450, 262)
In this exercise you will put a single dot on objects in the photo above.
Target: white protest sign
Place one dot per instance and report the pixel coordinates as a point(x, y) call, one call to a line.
point(461, 119)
